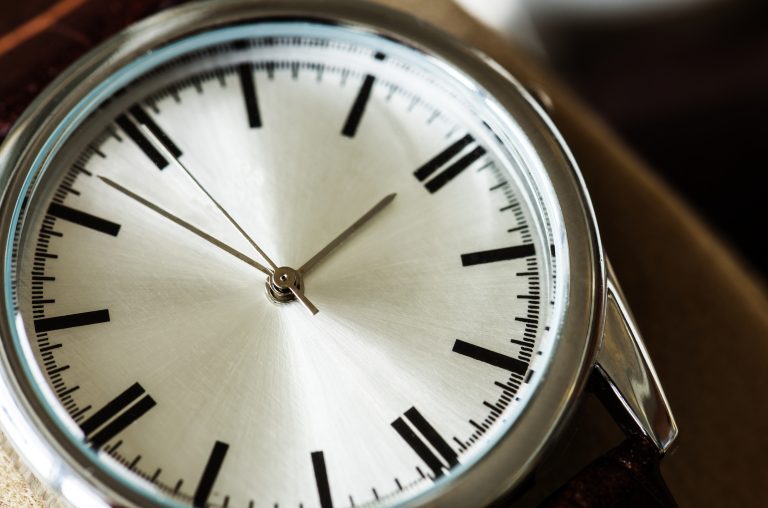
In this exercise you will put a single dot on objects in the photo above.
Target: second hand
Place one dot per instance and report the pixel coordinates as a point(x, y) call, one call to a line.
point(184, 224)
point(297, 293)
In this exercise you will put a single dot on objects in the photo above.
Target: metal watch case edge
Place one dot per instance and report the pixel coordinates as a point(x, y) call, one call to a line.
point(627, 383)
point(631, 390)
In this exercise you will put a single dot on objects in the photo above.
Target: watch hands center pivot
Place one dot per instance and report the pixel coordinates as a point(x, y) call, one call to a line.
point(283, 284)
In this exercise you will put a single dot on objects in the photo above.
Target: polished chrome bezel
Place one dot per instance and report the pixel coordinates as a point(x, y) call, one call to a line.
point(50, 454)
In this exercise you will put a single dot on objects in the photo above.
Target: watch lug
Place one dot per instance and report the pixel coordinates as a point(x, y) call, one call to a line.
point(625, 379)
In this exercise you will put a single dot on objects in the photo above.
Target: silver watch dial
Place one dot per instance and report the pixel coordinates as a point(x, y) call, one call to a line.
point(361, 374)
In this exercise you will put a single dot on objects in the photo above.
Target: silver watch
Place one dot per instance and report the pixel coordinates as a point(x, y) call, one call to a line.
point(300, 254)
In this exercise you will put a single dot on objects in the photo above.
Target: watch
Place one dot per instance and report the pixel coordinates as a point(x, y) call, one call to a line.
point(307, 253)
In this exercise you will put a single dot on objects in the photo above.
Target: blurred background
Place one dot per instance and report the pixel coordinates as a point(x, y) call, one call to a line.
point(684, 82)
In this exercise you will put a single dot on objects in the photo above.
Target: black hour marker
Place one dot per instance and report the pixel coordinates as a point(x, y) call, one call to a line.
point(503, 254)
point(120, 412)
point(141, 141)
point(453, 170)
point(71, 320)
point(143, 118)
point(490, 357)
point(440, 159)
point(84, 219)
point(358, 107)
point(211, 471)
point(420, 447)
point(321, 478)
point(247, 85)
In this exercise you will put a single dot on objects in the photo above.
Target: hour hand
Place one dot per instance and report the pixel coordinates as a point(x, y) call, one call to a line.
point(306, 267)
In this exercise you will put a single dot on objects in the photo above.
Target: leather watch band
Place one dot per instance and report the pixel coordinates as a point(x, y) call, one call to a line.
point(627, 476)
point(40, 47)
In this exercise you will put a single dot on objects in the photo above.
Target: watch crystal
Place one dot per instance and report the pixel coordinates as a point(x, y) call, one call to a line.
point(360, 374)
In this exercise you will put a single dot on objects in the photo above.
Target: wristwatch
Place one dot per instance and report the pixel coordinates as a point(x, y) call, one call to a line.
point(307, 253)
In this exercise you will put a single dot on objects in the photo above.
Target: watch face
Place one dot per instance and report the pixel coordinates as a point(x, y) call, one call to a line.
point(285, 263)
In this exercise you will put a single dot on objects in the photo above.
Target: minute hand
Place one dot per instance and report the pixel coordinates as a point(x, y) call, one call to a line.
point(186, 225)
point(296, 293)
point(306, 267)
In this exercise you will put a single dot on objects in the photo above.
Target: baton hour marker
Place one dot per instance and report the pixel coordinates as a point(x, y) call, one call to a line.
point(141, 141)
point(321, 479)
point(83, 219)
point(415, 420)
point(143, 118)
point(452, 170)
point(210, 473)
point(494, 255)
point(358, 107)
point(116, 415)
point(248, 87)
point(71, 320)
point(490, 357)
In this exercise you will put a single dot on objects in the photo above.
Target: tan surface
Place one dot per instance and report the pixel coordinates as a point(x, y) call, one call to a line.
point(704, 318)
point(18, 488)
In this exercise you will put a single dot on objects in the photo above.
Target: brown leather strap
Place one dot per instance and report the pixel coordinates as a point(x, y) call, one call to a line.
point(628, 477)
point(35, 47)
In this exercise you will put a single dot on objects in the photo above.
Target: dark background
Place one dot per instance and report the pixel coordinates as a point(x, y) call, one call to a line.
point(688, 91)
